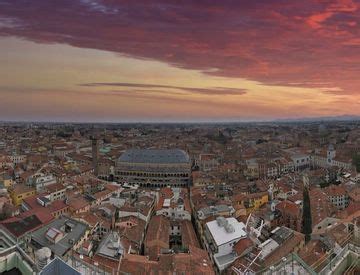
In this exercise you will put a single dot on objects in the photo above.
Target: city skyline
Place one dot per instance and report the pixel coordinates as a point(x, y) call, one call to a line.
point(119, 61)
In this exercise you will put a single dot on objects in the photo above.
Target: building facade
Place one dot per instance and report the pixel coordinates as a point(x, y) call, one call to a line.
point(221, 236)
point(154, 168)
point(331, 160)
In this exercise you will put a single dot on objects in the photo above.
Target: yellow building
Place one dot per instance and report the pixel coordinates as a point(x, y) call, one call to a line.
point(7, 181)
point(19, 192)
point(245, 204)
point(69, 165)
point(42, 149)
point(255, 201)
point(252, 169)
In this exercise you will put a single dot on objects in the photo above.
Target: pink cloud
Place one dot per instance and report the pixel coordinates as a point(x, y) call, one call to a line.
point(264, 40)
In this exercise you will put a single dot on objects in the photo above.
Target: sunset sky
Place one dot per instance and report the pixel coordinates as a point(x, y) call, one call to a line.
point(137, 60)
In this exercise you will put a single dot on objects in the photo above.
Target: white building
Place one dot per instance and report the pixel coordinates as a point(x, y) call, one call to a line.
point(301, 161)
point(16, 159)
point(154, 168)
point(40, 180)
point(221, 236)
point(175, 207)
point(337, 196)
point(56, 191)
point(330, 160)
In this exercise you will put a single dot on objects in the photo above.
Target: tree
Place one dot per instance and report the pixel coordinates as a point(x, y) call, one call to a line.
point(324, 183)
point(307, 221)
point(356, 162)
point(6, 211)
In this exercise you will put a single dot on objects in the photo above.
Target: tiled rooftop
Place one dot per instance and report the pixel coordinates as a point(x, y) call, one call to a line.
point(154, 156)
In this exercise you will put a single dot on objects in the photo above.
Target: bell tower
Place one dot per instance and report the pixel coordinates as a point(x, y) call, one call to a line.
point(331, 153)
point(95, 154)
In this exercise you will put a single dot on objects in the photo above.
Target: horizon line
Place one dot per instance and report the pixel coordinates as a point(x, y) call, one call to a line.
point(280, 120)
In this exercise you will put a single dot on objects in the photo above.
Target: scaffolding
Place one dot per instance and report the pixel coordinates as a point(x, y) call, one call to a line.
point(343, 261)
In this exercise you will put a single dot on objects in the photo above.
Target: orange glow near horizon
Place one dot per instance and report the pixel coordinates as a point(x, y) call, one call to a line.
point(285, 65)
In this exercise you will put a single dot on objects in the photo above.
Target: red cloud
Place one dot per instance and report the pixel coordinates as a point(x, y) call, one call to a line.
point(271, 41)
